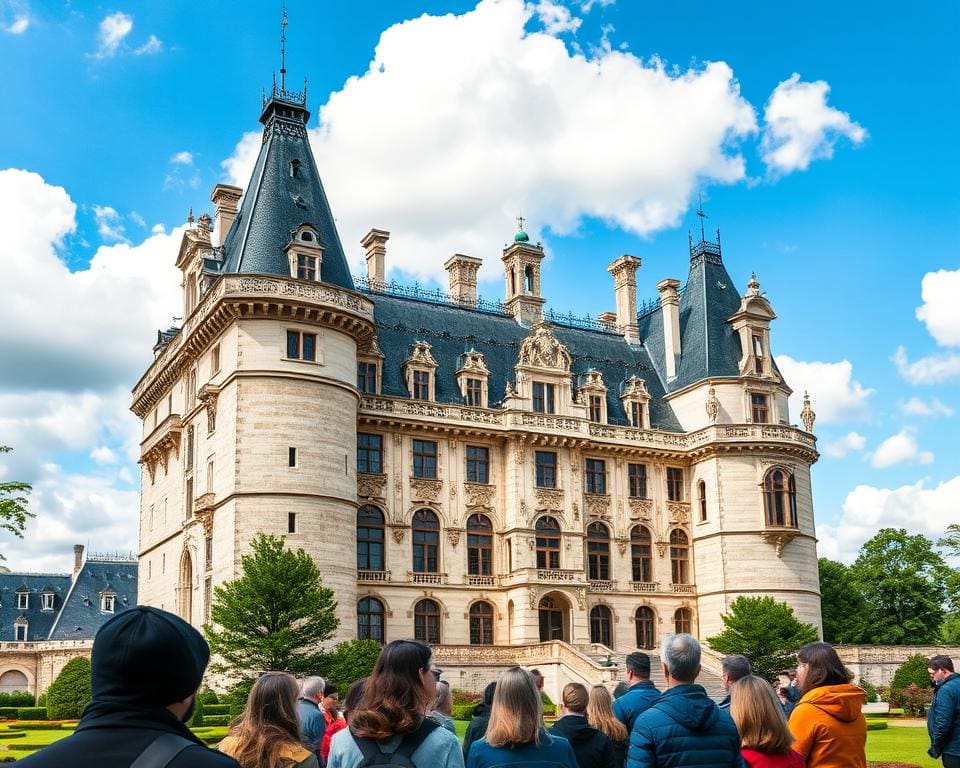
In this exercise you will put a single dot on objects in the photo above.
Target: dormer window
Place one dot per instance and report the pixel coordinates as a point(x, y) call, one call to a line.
point(472, 376)
point(307, 267)
point(593, 393)
point(636, 402)
point(305, 254)
point(295, 169)
point(46, 601)
point(108, 603)
point(421, 385)
point(544, 397)
point(20, 630)
point(23, 601)
point(419, 369)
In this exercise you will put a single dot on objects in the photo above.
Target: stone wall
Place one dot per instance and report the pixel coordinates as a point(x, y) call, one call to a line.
point(41, 662)
point(877, 664)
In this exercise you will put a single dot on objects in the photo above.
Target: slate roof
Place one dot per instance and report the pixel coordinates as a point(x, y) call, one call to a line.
point(39, 621)
point(275, 203)
point(81, 616)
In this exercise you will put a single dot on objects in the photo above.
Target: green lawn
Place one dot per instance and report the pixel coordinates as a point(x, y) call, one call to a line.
point(900, 744)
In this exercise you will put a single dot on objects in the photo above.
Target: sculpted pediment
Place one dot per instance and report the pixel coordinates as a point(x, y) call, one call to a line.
point(542, 350)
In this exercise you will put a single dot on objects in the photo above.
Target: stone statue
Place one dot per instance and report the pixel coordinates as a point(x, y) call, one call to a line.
point(807, 415)
point(712, 406)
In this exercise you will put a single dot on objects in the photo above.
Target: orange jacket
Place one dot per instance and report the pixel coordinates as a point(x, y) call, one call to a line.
point(829, 727)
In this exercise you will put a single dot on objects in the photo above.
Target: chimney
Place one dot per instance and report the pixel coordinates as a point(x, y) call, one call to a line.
point(624, 271)
point(670, 304)
point(463, 277)
point(375, 241)
point(77, 559)
point(224, 199)
point(608, 319)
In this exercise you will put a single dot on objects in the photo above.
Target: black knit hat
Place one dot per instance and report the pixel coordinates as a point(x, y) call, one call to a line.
point(148, 658)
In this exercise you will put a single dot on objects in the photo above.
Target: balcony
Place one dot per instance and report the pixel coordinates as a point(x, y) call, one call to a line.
point(602, 585)
point(479, 581)
point(380, 576)
point(558, 574)
point(645, 586)
point(684, 589)
point(428, 578)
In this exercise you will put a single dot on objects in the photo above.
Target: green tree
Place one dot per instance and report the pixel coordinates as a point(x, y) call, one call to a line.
point(350, 661)
point(842, 604)
point(912, 672)
point(70, 692)
point(765, 631)
point(13, 505)
point(275, 616)
point(905, 583)
point(949, 633)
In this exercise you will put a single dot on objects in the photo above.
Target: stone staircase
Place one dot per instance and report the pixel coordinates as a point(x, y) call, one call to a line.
point(709, 679)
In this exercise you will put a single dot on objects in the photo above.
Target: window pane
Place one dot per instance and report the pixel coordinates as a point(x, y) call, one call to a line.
point(293, 344)
point(309, 346)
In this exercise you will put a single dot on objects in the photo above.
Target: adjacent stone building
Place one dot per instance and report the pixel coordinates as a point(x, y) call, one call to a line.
point(465, 471)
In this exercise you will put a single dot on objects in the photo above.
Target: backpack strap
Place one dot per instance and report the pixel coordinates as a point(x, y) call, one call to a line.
point(412, 741)
point(162, 751)
point(368, 747)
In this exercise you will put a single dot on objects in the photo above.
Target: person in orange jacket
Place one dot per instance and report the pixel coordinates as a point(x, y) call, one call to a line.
point(828, 722)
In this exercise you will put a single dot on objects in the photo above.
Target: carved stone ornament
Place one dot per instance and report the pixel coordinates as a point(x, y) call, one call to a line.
point(421, 356)
point(596, 504)
point(208, 399)
point(473, 362)
point(519, 449)
point(425, 490)
point(713, 406)
point(549, 499)
point(371, 486)
point(203, 502)
point(532, 598)
point(532, 541)
point(679, 511)
point(542, 350)
point(523, 512)
point(807, 415)
point(453, 534)
point(397, 439)
point(398, 533)
point(205, 518)
point(478, 495)
point(635, 387)
point(640, 509)
point(582, 598)
point(662, 547)
point(576, 512)
point(622, 545)
point(592, 380)
point(779, 539)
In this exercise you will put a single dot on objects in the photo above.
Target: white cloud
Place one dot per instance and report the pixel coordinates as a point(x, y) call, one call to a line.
point(157, 229)
point(587, 5)
point(153, 45)
point(109, 225)
point(851, 442)
point(103, 455)
point(917, 407)
point(137, 219)
point(556, 18)
point(19, 25)
point(800, 127)
point(112, 32)
point(835, 395)
point(513, 122)
point(899, 448)
point(940, 311)
point(868, 509)
point(182, 158)
point(933, 369)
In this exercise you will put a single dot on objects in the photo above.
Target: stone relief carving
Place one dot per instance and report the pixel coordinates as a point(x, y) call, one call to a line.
point(421, 356)
point(597, 505)
point(582, 598)
point(713, 406)
point(549, 499)
point(425, 490)
point(208, 399)
point(679, 511)
point(541, 349)
point(779, 539)
point(478, 495)
point(371, 486)
point(640, 509)
point(453, 534)
point(398, 533)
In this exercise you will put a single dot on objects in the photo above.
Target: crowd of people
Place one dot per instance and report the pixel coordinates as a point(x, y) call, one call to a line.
point(148, 664)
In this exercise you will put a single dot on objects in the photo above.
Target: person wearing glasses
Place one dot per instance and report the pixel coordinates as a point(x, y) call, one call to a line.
point(391, 716)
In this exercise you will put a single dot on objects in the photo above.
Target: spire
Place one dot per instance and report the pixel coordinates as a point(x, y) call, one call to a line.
point(289, 104)
point(283, 49)
point(704, 247)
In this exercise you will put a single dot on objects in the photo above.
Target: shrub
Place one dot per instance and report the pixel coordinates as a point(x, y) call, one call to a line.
point(208, 697)
point(216, 720)
point(463, 711)
point(876, 725)
point(9, 712)
point(31, 713)
point(912, 672)
point(17, 699)
point(198, 719)
point(215, 709)
point(70, 692)
point(461, 696)
point(236, 697)
point(545, 698)
point(350, 661)
point(914, 700)
point(870, 689)
point(42, 699)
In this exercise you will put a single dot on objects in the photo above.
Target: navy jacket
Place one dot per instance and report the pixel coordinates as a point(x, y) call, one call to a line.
point(476, 729)
point(636, 700)
point(553, 752)
point(943, 719)
point(684, 728)
point(592, 748)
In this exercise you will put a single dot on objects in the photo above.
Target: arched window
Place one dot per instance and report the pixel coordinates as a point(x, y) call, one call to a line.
point(370, 620)
point(645, 623)
point(295, 169)
point(598, 552)
point(679, 557)
point(641, 553)
point(702, 500)
point(479, 546)
point(186, 587)
point(370, 538)
point(426, 541)
point(426, 622)
point(481, 624)
point(780, 498)
point(528, 279)
point(13, 680)
point(600, 625)
point(683, 620)
point(548, 543)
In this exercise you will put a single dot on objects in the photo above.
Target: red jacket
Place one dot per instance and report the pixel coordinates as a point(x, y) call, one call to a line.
point(755, 759)
point(332, 728)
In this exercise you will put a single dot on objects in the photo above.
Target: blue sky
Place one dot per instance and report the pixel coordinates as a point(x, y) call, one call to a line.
point(823, 143)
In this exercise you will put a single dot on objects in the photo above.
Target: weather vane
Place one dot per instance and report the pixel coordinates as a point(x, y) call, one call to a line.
point(283, 49)
point(702, 215)
point(520, 223)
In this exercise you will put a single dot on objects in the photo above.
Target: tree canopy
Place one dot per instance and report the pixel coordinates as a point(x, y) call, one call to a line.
point(844, 609)
point(275, 616)
point(13, 505)
point(765, 631)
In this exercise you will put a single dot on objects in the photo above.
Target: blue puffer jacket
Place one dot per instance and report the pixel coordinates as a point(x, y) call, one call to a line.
point(684, 728)
point(553, 752)
point(636, 700)
point(943, 720)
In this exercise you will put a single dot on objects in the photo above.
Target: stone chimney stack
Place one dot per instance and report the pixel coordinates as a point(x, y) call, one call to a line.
point(463, 277)
point(670, 304)
point(375, 241)
point(77, 559)
point(225, 199)
point(624, 271)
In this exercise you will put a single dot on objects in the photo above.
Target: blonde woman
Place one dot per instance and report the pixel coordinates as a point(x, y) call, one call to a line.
point(592, 748)
point(600, 716)
point(515, 734)
point(764, 737)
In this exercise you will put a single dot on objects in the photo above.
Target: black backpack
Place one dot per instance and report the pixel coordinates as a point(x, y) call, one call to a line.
point(400, 757)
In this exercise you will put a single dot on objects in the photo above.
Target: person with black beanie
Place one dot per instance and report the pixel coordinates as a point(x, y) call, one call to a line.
point(147, 665)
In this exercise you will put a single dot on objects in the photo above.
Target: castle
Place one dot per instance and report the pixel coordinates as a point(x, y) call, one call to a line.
point(467, 472)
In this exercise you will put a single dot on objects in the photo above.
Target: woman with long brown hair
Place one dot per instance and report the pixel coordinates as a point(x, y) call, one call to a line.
point(391, 716)
point(765, 740)
point(267, 734)
point(600, 716)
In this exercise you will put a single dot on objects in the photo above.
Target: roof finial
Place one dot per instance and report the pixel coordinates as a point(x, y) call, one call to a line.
point(190, 216)
point(702, 215)
point(520, 223)
point(283, 49)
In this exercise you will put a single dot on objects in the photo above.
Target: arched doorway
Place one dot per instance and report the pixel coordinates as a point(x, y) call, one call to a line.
point(14, 680)
point(186, 587)
point(553, 614)
point(601, 626)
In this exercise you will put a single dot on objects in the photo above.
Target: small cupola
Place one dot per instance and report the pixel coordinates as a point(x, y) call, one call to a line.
point(752, 324)
point(521, 262)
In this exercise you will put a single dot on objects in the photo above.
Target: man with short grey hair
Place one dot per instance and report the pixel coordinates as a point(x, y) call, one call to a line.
point(683, 727)
point(733, 667)
point(312, 723)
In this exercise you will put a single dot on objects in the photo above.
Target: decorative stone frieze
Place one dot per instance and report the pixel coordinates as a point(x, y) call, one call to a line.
point(371, 486)
point(453, 535)
point(640, 509)
point(425, 490)
point(597, 504)
point(542, 350)
point(478, 495)
point(678, 511)
point(549, 499)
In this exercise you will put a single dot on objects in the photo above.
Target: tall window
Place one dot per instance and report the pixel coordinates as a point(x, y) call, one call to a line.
point(23, 601)
point(478, 464)
point(600, 625)
point(426, 541)
point(367, 377)
point(426, 622)
point(702, 500)
point(306, 267)
point(637, 480)
point(760, 409)
point(301, 346)
point(548, 543)
point(481, 624)
point(369, 453)
point(596, 476)
point(674, 484)
point(641, 553)
point(780, 498)
point(421, 385)
point(598, 552)
point(208, 552)
point(644, 618)
point(543, 397)
point(546, 467)
point(46, 601)
point(479, 546)
point(425, 459)
point(679, 557)
point(636, 414)
point(370, 539)
point(20, 631)
point(207, 598)
point(475, 392)
point(370, 616)
point(758, 353)
point(596, 408)
point(188, 501)
point(683, 620)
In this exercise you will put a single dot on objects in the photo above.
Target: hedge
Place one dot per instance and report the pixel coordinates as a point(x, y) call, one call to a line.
point(463, 711)
point(10, 712)
point(208, 697)
point(215, 709)
point(70, 692)
point(31, 713)
point(216, 720)
point(876, 725)
point(12, 734)
point(199, 714)
point(17, 699)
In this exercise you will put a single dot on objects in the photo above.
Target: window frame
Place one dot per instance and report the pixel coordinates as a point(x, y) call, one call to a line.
point(425, 463)
point(649, 620)
point(598, 552)
point(427, 624)
point(368, 632)
point(683, 620)
point(679, 557)
point(425, 541)
point(480, 618)
point(595, 476)
point(637, 481)
point(18, 628)
point(23, 601)
point(371, 548)
point(595, 408)
point(477, 466)
point(544, 471)
point(46, 601)
point(601, 624)
point(543, 397)
point(479, 545)
point(641, 554)
point(780, 499)
point(702, 500)
point(674, 479)
point(473, 390)
point(369, 453)
point(760, 410)
point(296, 339)
point(420, 384)
point(367, 371)
point(545, 535)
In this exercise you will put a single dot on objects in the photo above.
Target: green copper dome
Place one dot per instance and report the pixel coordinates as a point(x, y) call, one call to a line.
point(521, 237)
